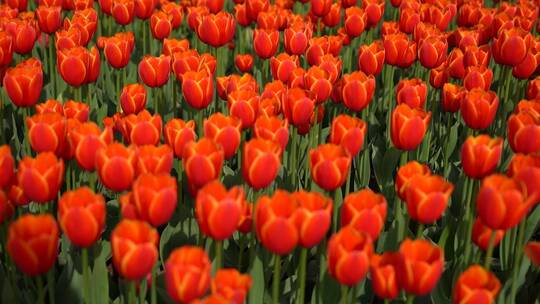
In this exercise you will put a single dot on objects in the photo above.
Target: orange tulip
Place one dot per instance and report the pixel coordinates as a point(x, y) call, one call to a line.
point(371, 58)
point(399, 50)
point(318, 82)
point(481, 235)
point(81, 214)
point(520, 162)
point(320, 46)
point(510, 46)
point(7, 208)
point(24, 32)
point(161, 25)
point(231, 285)
point(202, 161)
point(46, 132)
point(244, 105)
point(40, 178)
point(6, 48)
point(476, 285)
point(78, 66)
point(144, 8)
point(478, 77)
point(420, 266)
point(408, 127)
point(49, 18)
point(87, 139)
point(432, 51)
point(533, 89)
point(282, 66)
point(198, 89)
point(427, 197)
point(275, 222)
point(349, 132)
point(329, 164)
point(7, 165)
point(261, 160)
point(333, 17)
point(408, 19)
point(480, 155)
point(116, 166)
point(523, 131)
point(358, 90)
point(155, 197)
point(32, 243)
point(265, 42)
point(476, 56)
point(134, 249)
point(412, 92)
point(313, 217)
point(76, 110)
point(142, 128)
point(365, 211)
point(244, 62)
point(154, 71)
point(298, 108)
point(178, 133)
point(216, 29)
point(478, 108)
point(123, 11)
point(171, 46)
point(23, 83)
point(133, 98)
point(154, 159)
point(118, 48)
point(296, 37)
point(532, 250)
point(406, 173)
point(187, 273)
point(218, 210)
point(383, 275)
point(225, 131)
point(272, 128)
point(452, 95)
point(349, 253)
point(355, 21)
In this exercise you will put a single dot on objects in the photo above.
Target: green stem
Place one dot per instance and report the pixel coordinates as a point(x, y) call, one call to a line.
point(132, 296)
point(399, 213)
point(420, 231)
point(242, 246)
point(410, 299)
point(51, 287)
point(84, 262)
point(344, 294)
point(517, 259)
point(302, 275)
point(335, 214)
point(41, 291)
point(489, 253)
point(219, 254)
point(153, 291)
point(276, 279)
point(469, 218)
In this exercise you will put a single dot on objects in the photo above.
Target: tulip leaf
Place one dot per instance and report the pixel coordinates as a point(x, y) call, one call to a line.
point(171, 237)
point(532, 223)
point(99, 279)
point(451, 141)
point(256, 293)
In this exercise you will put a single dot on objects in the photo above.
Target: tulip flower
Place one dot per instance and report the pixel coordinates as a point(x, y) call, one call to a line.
point(451, 98)
point(480, 155)
point(329, 164)
point(481, 235)
point(313, 217)
point(118, 48)
point(23, 83)
point(87, 139)
point(49, 18)
point(154, 159)
point(142, 128)
point(144, 8)
point(349, 132)
point(24, 33)
point(187, 273)
point(133, 98)
point(155, 197)
point(202, 161)
point(46, 132)
point(265, 42)
point(476, 285)
point(231, 285)
point(178, 133)
point(225, 131)
point(154, 71)
point(78, 66)
point(371, 58)
point(296, 37)
point(412, 92)
point(477, 77)
point(7, 165)
point(76, 110)
point(408, 127)
point(427, 197)
point(365, 211)
point(216, 29)
point(282, 66)
point(244, 105)
point(406, 173)
point(272, 128)
point(384, 276)
point(523, 132)
point(41, 177)
point(532, 250)
point(115, 165)
point(161, 25)
point(317, 81)
point(244, 62)
point(358, 90)
point(172, 46)
point(261, 160)
point(198, 89)
point(355, 21)
point(510, 46)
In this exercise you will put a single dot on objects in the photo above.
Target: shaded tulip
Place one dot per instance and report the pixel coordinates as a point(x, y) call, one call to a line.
point(171, 46)
point(216, 29)
point(6, 48)
point(297, 79)
point(261, 160)
point(23, 83)
point(272, 128)
point(87, 139)
point(154, 159)
point(231, 285)
point(476, 56)
point(144, 8)
point(420, 266)
point(116, 166)
point(313, 217)
point(218, 211)
point(7, 166)
point(349, 254)
point(76, 110)
point(412, 92)
point(383, 275)
point(320, 8)
point(154, 71)
point(519, 162)
point(265, 42)
point(41, 177)
point(455, 64)
point(244, 105)
point(452, 95)
point(255, 7)
point(160, 25)
point(533, 89)
point(355, 21)
point(408, 127)
point(432, 51)
point(478, 108)
point(365, 211)
point(523, 132)
point(282, 66)
point(32, 243)
point(178, 133)
point(51, 105)
point(187, 273)
point(198, 89)
point(298, 108)
point(123, 11)
point(49, 18)
point(244, 62)
point(133, 98)
point(349, 132)
point(78, 65)
point(478, 77)
point(333, 17)
point(134, 249)
point(408, 19)
point(329, 164)
point(275, 222)
point(155, 197)
point(358, 90)
point(318, 82)
point(7, 208)
point(427, 197)
point(480, 155)
point(225, 131)
point(510, 46)
point(66, 39)
point(532, 250)
point(399, 50)
point(46, 132)
point(24, 33)
point(296, 38)
point(81, 214)
point(481, 234)
point(118, 49)
point(142, 128)
point(406, 173)
point(202, 161)
point(476, 285)
point(371, 58)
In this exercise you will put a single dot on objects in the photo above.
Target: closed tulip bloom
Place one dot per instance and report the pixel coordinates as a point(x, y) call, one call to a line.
point(478, 77)
point(144, 8)
point(383, 275)
point(313, 217)
point(244, 105)
point(532, 250)
point(218, 211)
point(519, 162)
point(231, 285)
point(187, 273)
point(87, 139)
point(154, 71)
point(244, 62)
point(178, 133)
point(427, 197)
point(318, 82)
point(265, 42)
point(365, 211)
point(7, 166)
point(49, 18)
point(371, 58)
point(480, 155)
point(412, 92)
point(406, 173)
point(298, 108)
point(225, 131)
point(32, 243)
point(116, 166)
point(76, 110)
point(529, 65)
point(476, 56)
point(523, 132)
point(78, 65)
point(133, 98)
point(275, 222)
point(501, 202)
point(123, 11)
point(255, 7)
point(329, 164)
point(154, 159)
point(160, 25)
point(355, 21)
point(6, 48)
point(399, 50)
point(455, 64)
point(155, 197)
point(408, 19)
point(7, 208)
point(533, 89)
point(46, 132)
point(408, 126)
point(272, 128)
point(24, 33)
point(333, 17)
point(216, 29)
point(202, 161)
point(452, 95)
point(198, 89)
point(81, 214)
point(476, 285)
point(358, 90)
point(478, 108)
point(297, 79)
point(349, 254)
point(510, 46)
point(134, 249)
point(23, 83)
point(143, 128)
point(261, 160)
point(420, 266)
point(481, 234)
point(432, 51)
point(349, 132)
point(296, 38)
point(282, 66)
point(320, 8)
point(66, 39)
point(171, 46)
point(41, 177)
point(320, 46)
point(118, 48)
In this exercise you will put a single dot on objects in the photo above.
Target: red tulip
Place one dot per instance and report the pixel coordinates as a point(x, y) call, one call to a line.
point(87, 139)
point(178, 133)
point(261, 160)
point(478, 108)
point(154, 71)
point(23, 83)
point(46, 132)
point(365, 211)
point(41, 177)
point(154, 159)
point(187, 273)
point(480, 155)
point(198, 89)
point(225, 131)
point(202, 161)
point(313, 217)
point(476, 285)
point(329, 164)
point(116, 166)
point(427, 197)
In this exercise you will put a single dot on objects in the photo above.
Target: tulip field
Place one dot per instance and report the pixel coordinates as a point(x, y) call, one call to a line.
point(270, 151)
